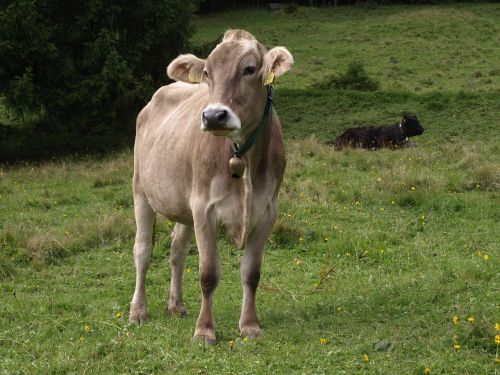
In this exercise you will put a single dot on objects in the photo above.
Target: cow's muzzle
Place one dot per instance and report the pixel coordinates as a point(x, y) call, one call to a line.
point(214, 119)
point(218, 117)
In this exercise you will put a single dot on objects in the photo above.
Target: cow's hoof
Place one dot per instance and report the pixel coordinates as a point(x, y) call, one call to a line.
point(207, 336)
point(250, 331)
point(177, 310)
point(137, 316)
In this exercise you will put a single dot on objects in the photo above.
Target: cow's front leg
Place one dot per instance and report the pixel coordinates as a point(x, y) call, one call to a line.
point(205, 232)
point(144, 218)
point(181, 237)
point(250, 275)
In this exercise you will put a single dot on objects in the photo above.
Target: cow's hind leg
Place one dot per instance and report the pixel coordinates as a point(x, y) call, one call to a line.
point(250, 275)
point(181, 238)
point(144, 218)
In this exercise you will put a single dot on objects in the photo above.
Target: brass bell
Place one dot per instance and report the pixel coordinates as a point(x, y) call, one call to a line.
point(236, 167)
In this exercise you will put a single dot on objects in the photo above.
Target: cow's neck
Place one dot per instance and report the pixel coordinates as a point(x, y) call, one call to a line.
point(255, 156)
point(256, 168)
point(256, 132)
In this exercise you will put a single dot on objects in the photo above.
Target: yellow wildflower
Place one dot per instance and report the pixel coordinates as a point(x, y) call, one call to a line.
point(497, 360)
point(301, 239)
point(471, 319)
point(497, 339)
point(427, 371)
point(231, 344)
point(455, 319)
point(298, 262)
point(497, 327)
point(366, 358)
point(413, 188)
point(486, 257)
point(82, 338)
point(86, 328)
point(456, 346)
point(381, 209)
point(392, 202)
point(323, 341)
point(188, 270)
point(118, 315)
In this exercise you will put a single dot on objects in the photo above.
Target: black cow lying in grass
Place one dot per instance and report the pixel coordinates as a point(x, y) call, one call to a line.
point(382, 136)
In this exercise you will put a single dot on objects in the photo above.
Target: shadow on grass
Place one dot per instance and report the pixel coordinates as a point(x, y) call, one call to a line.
point(39, 144)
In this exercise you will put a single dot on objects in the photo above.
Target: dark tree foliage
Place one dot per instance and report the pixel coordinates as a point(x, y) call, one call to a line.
point(86, 64)
point(207, 6)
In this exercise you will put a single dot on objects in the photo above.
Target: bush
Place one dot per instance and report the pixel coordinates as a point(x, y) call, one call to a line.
point(354, 78)
point(79, 65)
point(204, 49)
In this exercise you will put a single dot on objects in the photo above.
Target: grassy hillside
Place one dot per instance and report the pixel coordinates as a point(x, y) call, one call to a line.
point(415, 48)
point(380, 263)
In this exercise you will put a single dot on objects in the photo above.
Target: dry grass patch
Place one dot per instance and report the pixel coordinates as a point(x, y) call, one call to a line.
point(41, 246)
point(484, 178)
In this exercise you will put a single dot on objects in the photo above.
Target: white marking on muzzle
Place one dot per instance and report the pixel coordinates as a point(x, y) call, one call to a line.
point(233, 121)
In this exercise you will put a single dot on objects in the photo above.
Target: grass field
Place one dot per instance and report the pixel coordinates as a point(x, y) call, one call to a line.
point(381, 262)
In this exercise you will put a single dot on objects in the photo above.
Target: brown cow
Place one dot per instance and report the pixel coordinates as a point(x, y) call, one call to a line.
point(182, 171)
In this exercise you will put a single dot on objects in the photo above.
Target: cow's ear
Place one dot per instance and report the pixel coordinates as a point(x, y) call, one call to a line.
point(186, 68)
point(277, 61)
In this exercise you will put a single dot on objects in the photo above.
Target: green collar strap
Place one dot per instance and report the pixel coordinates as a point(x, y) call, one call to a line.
point(240, 151)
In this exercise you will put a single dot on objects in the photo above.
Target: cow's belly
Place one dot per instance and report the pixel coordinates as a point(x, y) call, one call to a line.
point(171, 196)
point(167, 185)
point(168, 200)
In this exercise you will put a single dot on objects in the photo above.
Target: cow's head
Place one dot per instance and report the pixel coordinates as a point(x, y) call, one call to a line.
point(235, 73)
point(411, 126)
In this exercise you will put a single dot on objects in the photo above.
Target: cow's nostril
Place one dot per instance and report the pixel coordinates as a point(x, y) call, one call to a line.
point(221, 115)
point(215, 118)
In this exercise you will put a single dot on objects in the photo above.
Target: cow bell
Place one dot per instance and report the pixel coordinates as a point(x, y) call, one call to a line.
point(236, 167)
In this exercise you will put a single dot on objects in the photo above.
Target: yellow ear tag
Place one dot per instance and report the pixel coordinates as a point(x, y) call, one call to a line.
point(269, 78)
point(194, 78)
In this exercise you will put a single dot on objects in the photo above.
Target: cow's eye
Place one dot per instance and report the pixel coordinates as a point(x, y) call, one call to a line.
point(249, 70)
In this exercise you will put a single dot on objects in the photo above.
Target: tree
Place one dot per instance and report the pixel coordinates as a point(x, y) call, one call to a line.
point(86, 64)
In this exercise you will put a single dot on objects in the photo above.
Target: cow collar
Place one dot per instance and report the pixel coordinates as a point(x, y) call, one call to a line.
point(239, 151)
point(402, 134)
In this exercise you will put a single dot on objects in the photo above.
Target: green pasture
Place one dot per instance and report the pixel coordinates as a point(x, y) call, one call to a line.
point(381, 262)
